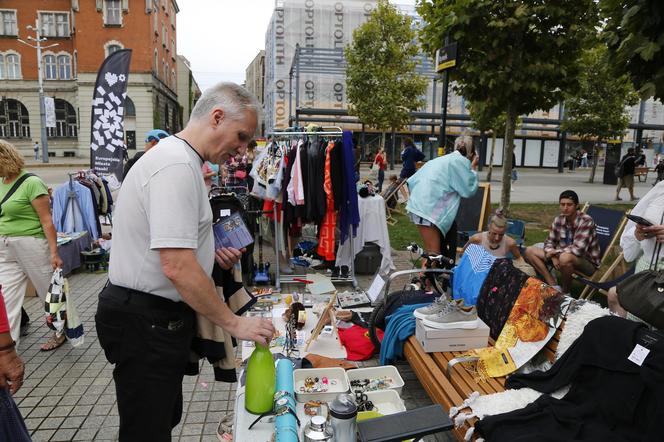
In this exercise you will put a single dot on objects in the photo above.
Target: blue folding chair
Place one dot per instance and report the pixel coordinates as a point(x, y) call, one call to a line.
point(517, 230)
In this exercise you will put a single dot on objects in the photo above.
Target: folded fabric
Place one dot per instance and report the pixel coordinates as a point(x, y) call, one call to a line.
point(358, 343)
point(400, 326)
point(498, 294)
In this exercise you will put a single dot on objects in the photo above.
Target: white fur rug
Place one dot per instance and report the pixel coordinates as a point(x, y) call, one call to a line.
point(578, 315)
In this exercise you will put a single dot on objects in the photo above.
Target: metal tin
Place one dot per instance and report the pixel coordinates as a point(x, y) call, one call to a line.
point(317, 430)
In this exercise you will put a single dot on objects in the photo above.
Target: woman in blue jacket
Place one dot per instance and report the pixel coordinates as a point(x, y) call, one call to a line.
point(436, 191)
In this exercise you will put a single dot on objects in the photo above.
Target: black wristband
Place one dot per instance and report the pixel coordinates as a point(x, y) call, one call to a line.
point(8, 346)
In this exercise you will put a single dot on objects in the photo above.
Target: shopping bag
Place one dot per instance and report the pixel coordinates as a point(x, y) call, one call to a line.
point(61, 314)
point(55, 304)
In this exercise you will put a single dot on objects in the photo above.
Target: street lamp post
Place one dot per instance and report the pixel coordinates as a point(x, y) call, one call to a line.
point(42, 108)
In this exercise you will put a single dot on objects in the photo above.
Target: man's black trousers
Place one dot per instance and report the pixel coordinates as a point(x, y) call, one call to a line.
point(148, 339)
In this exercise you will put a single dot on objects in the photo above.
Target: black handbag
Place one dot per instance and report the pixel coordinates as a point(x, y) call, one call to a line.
point(642, 294)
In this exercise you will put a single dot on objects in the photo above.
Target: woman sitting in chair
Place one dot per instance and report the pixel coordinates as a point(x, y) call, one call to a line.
point(640, 242)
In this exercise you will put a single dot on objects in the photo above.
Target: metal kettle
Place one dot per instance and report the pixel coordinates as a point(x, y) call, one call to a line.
point(343, 418)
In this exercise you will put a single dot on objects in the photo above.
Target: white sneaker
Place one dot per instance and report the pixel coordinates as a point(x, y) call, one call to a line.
point(453, 317)
point(439, 304)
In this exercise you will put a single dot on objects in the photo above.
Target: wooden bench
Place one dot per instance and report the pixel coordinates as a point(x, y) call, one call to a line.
point(450, 389)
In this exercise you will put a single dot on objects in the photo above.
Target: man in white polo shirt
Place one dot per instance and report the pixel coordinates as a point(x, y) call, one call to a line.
point(161, 265)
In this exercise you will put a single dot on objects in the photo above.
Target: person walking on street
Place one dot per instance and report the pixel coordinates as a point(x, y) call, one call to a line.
point(626, 167)
point(584, 159)
point(381, 163)
point(28, 241)
point(36, 149)
point(161, 265)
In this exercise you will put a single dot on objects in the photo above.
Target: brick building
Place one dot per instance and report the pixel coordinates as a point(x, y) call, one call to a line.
point(86, 31)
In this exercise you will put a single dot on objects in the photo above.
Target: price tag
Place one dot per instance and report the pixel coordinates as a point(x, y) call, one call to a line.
point(638, 355)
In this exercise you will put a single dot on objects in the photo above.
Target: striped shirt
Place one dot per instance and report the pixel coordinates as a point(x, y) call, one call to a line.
point(579, 238)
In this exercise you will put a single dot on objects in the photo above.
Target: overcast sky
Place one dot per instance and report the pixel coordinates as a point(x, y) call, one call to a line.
point(221, 37)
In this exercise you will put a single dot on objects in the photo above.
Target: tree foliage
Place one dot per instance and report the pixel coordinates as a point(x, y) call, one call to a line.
point(486, 117)
point(520, 54)
point(599, 109)
point(635, 34)
point(382, 85)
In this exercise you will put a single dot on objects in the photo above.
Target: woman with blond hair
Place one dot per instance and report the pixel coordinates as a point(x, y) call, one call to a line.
point(28, 242)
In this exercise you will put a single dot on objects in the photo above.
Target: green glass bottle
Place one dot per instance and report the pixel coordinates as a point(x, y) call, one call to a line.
point(261, 380)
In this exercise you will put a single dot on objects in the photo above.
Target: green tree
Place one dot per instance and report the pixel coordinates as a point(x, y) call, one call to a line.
point(635, 34)
point(598, 111)
point(382, 85)
point(520, 54)
point(487, 118)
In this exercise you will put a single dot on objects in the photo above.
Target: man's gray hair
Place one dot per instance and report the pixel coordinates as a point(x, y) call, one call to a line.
point(233, 99)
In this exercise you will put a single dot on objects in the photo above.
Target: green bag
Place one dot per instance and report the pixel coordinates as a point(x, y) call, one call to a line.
point(642, 294)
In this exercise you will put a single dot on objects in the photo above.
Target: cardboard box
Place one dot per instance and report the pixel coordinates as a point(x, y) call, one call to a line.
point(456, 339)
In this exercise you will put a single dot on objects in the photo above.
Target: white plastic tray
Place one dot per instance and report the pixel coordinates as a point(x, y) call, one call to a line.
point(376, 372)
point(338, 374)
point(386, 401)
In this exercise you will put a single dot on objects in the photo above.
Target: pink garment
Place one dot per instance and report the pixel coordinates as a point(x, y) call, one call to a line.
point(295, 187)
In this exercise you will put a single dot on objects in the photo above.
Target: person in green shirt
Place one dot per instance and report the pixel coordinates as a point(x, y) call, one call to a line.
point(28, 241)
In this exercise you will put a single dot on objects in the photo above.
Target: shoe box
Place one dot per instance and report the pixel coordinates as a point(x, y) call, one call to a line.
point(453, 339)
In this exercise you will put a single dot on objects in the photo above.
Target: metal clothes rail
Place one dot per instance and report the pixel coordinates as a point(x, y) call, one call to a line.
point(278, 226)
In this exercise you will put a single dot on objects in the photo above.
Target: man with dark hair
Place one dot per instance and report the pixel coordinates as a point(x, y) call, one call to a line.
point(627, 167)
point(572, 245)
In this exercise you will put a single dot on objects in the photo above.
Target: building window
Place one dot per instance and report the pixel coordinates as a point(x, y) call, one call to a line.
point(164, 37)
point(12, 67)
point(130, 108)
point(165, 77)
point(2, 67)
point(14, 120)
point(155, 20)
point(173, 48)
point(54, 24)
point(112, 12)
point(64, 67)
point(65, 121)
point(8, 22)
point(112, 48)
point(50, 69)
point(173, 80)
point(156, 62)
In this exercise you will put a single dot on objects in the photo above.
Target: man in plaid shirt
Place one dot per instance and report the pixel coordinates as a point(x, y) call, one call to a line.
point(572, 245)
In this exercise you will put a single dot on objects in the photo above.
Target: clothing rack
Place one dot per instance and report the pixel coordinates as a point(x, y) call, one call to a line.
point(72, 199)
point(334, 131)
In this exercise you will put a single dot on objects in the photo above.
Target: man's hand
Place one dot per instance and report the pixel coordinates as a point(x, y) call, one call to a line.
point(475, 162)
point(656, 232)
point(11, 371)
point(259, 330)
point(227, 257)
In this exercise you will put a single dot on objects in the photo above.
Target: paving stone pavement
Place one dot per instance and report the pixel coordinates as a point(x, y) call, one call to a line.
point(69, 393)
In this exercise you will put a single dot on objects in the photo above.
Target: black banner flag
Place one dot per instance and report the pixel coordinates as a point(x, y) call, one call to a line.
point(107, 124)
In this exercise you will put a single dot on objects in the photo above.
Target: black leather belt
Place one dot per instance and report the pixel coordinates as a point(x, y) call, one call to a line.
point(123, 295)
